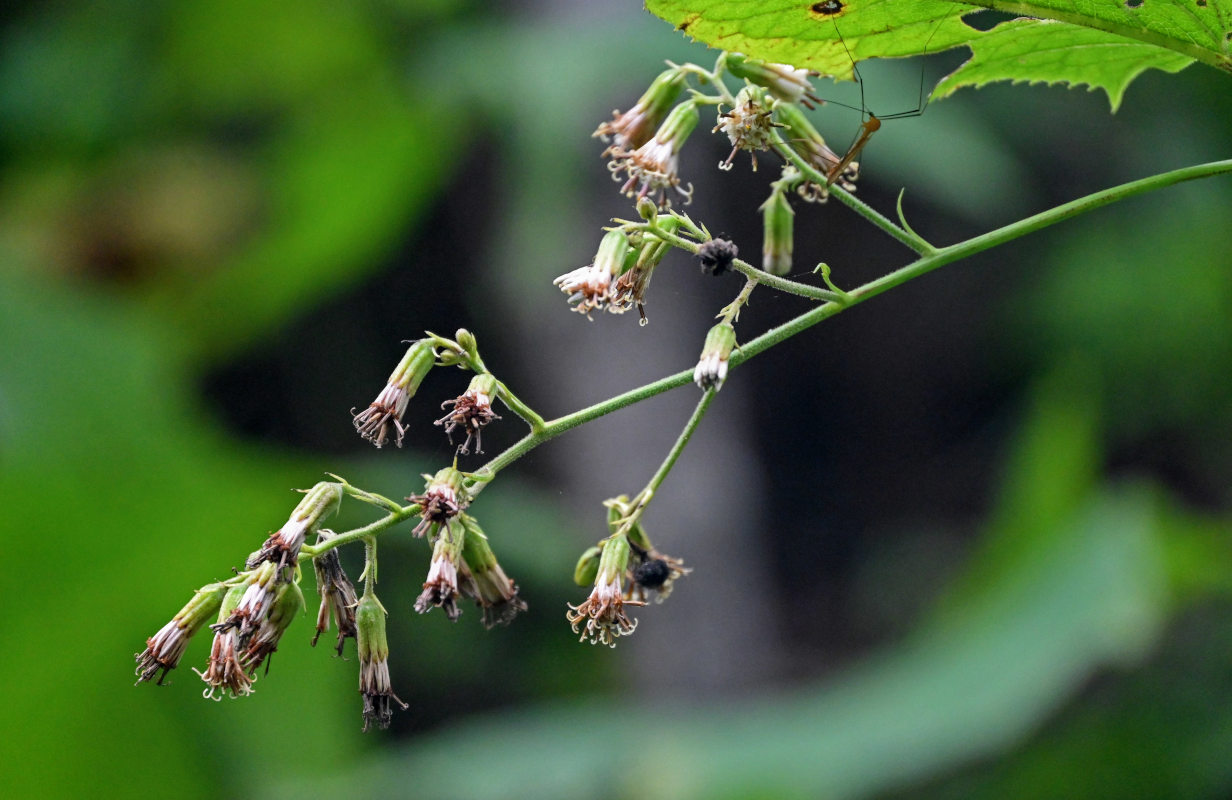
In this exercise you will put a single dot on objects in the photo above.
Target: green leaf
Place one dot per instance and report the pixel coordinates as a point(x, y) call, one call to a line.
point(1043, 51)
point(1099, 43)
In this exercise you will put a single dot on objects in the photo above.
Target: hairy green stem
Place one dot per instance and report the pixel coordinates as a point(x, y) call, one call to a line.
point(750, 271)
point(906, 237)
point(936, 258)
point(524, 411)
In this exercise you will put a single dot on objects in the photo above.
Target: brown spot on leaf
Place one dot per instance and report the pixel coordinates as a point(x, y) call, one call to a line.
point(827, 8)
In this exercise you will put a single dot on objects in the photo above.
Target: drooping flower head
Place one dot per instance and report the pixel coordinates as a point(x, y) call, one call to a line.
point(651, 169)
point(385, 412)
point(633, 128)
point(440, 590)
point(601, 618)
point(589, 287)
point(483, 580)
point(472, 412)
point(225, 672)
point(443, 499)
point(337, 594)
point(374, 683)
point(629, 289)
point(282, 547)
point(287, 602)
point(164, 649)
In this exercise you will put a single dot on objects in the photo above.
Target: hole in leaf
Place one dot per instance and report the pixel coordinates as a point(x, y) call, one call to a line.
point(1201, 3)
point(1133, 3)
point(828, 8)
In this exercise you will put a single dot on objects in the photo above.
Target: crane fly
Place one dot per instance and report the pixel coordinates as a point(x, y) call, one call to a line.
point(873, 124)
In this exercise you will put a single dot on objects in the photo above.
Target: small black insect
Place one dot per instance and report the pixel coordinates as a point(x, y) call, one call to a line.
point(652, 574)
point(716, 256)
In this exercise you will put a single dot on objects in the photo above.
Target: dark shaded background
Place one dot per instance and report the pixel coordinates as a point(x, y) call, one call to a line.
point(967, 540)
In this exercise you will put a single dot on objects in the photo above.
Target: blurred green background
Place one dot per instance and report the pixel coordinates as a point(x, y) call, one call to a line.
point(968, 541)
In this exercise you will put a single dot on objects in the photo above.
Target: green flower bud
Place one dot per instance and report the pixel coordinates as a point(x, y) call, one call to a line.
point(778, 219)
point(373, 648)
point(711, 370)
point(467, 340)
point(374, 422)
point(587, 567)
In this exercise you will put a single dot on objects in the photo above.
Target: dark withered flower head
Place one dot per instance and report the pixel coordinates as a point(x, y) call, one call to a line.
point(283, 546)
point(374, 683)
point(443, 499)
point(164, 649)
point(482, 579)
point(654, 572)
point(716, 255)
point(385, 412)
point(440, 590)
point(472, 412)
point(337, 594)
point(601, 617)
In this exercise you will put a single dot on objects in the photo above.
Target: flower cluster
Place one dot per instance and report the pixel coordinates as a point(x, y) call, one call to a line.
point(624, 569)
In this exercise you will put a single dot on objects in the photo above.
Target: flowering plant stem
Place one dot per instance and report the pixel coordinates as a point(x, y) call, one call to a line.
point(931, 259)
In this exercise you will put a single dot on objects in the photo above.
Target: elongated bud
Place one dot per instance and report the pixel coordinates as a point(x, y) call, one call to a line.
point(373, 647)
point(784, 81)
point(164, 649)
point(711, 370)
point(374, 422)
point(467, 340)
point(587, 568)
point(633, 128)
point(283, 546)
point(779, 221)
point(484, 581)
